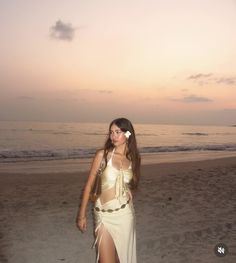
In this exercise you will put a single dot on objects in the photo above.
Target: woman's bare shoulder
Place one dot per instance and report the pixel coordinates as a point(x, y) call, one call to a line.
point(99, 153)
point(97, 158)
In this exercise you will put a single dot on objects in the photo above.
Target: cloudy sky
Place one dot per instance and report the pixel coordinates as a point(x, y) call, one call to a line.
point(153, 61)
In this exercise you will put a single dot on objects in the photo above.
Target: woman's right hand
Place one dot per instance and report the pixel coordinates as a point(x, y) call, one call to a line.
point(81, 221)
point(82, 224)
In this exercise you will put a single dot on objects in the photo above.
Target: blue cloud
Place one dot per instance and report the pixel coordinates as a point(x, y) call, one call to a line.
point(62, 31)
point(200, 76)
point(193, 99)
point(227, 81)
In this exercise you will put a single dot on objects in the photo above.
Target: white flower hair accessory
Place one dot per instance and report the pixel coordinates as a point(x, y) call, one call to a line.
point(127, 134)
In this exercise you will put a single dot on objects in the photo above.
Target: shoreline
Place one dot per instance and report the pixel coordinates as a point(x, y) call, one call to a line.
point(83, 165)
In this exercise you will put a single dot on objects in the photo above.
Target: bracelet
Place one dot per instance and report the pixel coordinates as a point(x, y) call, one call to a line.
point(81, 218)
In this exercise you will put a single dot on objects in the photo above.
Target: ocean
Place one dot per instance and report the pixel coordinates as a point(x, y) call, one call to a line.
point(26, 141)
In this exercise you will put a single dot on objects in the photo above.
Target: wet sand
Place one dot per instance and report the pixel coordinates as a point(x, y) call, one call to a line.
point(183, 210)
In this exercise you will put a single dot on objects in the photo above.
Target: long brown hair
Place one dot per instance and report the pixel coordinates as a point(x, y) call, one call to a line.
point(132, 152)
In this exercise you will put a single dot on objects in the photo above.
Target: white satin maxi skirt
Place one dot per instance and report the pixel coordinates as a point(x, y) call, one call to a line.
point(121, 226)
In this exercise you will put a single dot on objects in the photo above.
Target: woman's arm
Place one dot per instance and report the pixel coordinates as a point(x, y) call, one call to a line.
point(81, 221)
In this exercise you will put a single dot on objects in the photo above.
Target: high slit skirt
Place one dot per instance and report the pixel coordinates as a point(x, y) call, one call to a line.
point(121, 226)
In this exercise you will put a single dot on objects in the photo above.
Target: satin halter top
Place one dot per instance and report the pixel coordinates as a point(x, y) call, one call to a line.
point(119, 178)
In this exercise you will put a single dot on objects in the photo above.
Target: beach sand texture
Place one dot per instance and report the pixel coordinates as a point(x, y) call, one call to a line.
point(182, 211)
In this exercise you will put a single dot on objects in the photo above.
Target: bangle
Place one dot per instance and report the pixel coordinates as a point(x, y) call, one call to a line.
point(81, 218)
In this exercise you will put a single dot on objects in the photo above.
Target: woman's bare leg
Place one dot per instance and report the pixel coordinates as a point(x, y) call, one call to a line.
point(107, 250)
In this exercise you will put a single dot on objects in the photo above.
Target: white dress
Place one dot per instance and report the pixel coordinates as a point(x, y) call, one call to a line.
point(117, 215)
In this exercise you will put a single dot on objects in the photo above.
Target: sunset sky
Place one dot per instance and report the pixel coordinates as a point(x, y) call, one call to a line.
point(153, 61)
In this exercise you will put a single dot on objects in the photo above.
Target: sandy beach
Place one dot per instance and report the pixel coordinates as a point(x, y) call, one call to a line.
point(183, 209)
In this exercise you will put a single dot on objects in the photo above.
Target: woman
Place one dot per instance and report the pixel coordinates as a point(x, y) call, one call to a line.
point(114, 213)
